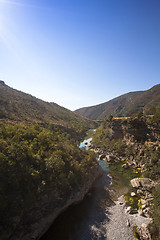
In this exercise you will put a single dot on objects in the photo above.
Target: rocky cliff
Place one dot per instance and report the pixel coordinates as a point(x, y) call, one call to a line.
point(36, 221)
point(133, 140)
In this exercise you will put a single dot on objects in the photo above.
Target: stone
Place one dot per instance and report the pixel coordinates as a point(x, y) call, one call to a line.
point(144, 183)
point(143, 201)
point(141, 213)
point(140, 192)
point(143, 232)
point(125, 165)
point(133, 211)
point(141, 153)
point(135, 183)
point(101, 157)
point(128, 223)
point(144, 206)
point(128, 209)
point(131, 158)
point(147, 184)
point(110, 158)
point(133, 194)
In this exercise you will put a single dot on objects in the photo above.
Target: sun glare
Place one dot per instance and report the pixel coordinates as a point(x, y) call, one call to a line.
point(9, 2)
point(4, 14)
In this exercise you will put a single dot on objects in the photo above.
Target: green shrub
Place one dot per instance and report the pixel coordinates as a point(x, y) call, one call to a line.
point(35, 160)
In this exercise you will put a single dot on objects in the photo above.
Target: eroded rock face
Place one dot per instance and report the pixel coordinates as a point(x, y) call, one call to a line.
point(36, 222)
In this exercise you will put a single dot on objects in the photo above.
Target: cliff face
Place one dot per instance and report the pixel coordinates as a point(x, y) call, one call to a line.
point(133, 140)
point(36, 221)
point(133, 129)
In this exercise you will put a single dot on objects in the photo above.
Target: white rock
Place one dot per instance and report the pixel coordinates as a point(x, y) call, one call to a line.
point(133, 194)
point(128, 209)
point(128, 223)
point(135, 183)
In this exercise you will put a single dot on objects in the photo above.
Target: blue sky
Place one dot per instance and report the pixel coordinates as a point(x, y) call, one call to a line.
point(79, 53)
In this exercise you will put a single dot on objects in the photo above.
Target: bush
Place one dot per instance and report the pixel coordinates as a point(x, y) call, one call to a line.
point(35, 160)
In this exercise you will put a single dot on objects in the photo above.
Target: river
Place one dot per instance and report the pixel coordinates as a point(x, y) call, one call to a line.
point(84, 221)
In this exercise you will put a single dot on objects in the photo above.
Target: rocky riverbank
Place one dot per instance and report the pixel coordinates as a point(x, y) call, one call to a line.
point(124, 220)
point(132, 146)
point(121, 223)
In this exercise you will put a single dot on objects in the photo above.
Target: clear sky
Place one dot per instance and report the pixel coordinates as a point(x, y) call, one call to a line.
point(79, 53)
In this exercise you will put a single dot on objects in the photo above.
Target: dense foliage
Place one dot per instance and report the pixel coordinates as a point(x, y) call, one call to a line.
point(35, 160)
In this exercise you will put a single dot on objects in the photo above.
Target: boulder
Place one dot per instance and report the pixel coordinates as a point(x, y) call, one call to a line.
point(147, 184)
point(143, 232)
point(135, 182)
point(144, 183)
point(133, 194)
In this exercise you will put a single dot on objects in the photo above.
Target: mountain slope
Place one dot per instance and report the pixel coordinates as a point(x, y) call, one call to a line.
point(21, 107)
point(127, 104)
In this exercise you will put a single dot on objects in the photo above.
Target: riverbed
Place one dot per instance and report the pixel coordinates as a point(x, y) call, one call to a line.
point(81, 221)
point(96, 217)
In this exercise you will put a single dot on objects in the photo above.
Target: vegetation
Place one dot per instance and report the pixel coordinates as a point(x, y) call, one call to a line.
point(155, 214)
point(35, 161)
point(125, 105)
point(135, 233)
point(103, 139)
point(122, 175)
point(152, 163)
point(110, 136)
point(20, 107)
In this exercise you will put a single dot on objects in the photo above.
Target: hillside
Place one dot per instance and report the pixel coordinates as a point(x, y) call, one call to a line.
point(127, 104)
point(42, 168)
point(18, 107)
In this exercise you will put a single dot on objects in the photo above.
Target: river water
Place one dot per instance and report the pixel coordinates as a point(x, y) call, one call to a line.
point(85, 220)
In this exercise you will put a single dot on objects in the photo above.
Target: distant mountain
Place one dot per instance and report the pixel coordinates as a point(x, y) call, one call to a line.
point(127, 104)
point(16, 106)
